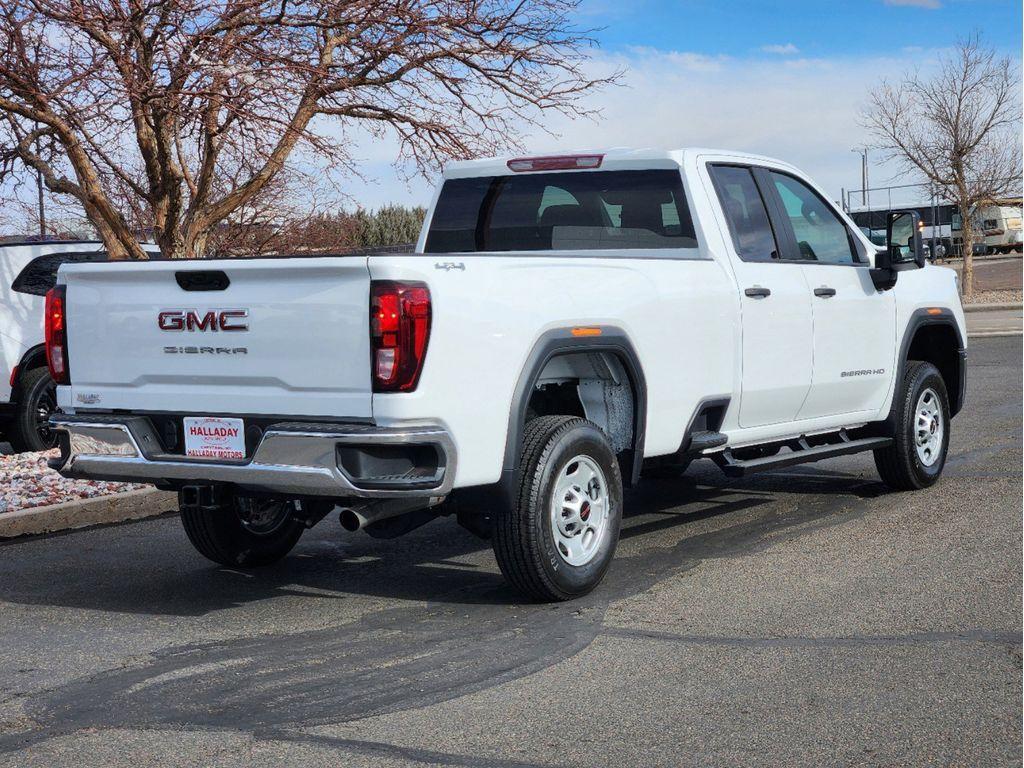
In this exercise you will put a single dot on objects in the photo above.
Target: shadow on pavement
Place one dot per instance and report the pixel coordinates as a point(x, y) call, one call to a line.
point(469, 633)
point(149, 568)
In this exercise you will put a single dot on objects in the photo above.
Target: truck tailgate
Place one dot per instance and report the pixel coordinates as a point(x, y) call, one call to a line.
point(285, 336)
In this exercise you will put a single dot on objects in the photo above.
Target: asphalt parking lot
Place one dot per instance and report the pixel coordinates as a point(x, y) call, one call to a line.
point(806, 617)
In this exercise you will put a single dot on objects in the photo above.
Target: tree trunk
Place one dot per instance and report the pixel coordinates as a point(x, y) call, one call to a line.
point(967, 247)
point(119, 242)
point(193, 245)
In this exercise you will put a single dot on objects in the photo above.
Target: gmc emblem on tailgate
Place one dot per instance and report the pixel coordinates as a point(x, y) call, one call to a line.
point(194, 320)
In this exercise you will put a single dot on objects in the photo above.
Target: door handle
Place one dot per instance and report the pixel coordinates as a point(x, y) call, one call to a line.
point(757, 292)
point(825, 292)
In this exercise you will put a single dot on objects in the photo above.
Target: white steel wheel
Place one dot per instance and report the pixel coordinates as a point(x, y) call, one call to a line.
point(579, 510)
point(929, 429)
point(557, 540)
point(920, 430)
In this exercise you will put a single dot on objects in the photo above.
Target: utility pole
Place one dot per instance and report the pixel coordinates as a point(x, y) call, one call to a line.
point(864, 199)
point(39, 190)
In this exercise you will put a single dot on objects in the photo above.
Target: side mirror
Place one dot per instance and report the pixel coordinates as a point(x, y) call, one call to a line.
point(903, 239)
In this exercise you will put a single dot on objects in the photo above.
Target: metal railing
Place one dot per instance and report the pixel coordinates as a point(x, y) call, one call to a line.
point(919, 195)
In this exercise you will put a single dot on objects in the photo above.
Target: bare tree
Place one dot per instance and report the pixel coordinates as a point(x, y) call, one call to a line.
point(171, 115)
point(253, 228)
point(959, 127)
point(20, 213)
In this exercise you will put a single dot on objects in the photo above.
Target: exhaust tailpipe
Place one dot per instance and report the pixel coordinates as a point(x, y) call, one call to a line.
point(359, 516)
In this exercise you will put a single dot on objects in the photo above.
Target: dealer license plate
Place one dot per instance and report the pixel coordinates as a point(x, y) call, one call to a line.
point(209, 437)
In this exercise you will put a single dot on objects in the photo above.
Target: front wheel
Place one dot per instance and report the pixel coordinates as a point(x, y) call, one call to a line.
point(558, 541)
point(921, 439)
point(244, 532)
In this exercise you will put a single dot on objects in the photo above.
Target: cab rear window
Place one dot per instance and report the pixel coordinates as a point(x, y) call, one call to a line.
point(571, 211)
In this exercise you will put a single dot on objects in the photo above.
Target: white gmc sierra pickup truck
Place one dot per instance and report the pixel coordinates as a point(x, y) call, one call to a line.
point(565, 324)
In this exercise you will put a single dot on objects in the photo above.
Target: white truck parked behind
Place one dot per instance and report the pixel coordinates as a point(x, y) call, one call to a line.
point(27, 393)
point(28, 396)
point(565, 324)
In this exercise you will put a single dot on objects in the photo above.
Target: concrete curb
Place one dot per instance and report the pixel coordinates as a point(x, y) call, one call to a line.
point(991, 307)
point(81, 513)
point(993, 334)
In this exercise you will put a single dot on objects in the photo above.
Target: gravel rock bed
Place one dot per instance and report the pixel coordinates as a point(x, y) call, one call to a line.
point(26, 481)
point(996, 297)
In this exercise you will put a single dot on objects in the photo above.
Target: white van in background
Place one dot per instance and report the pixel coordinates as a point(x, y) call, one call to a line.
point(27, 394)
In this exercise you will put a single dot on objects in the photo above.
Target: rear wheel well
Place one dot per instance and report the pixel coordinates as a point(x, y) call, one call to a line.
point(939, 345)
point(594, 385)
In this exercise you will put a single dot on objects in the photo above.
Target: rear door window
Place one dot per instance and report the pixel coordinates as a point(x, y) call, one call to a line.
point(593, 210)
point(745, 212)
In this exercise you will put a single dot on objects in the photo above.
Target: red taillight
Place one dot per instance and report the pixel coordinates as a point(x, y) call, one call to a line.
point(399, 329)
point(56, 335)
point(559, 163)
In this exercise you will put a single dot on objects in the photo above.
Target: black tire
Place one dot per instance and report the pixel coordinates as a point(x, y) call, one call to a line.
point(524, 545)
point(222, 535)
point(37, 399)
point(899, 465)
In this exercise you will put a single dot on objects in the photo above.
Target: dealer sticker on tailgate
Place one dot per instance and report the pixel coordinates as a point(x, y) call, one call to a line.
point(207, 437)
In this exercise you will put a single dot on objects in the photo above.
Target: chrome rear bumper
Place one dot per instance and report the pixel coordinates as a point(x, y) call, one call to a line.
point(299, 459)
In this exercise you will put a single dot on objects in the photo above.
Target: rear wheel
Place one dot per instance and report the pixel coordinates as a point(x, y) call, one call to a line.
point(37, 400)
point(558, 541)
point(921, 414)
point(244, 532)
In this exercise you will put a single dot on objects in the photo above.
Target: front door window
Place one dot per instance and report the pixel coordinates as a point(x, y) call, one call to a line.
point(820, 234)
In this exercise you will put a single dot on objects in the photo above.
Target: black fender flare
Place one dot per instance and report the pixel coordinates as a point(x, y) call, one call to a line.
point(34, 357)
point(562, 341)
point(919, 319)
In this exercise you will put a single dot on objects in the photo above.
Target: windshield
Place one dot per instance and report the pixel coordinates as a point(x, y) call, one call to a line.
point(595, 210)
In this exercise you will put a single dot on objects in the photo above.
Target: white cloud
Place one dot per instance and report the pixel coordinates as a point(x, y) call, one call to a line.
point(782, 50)
point(929, 4)
point(800, 109)
point(684, 60)
point(803, 110)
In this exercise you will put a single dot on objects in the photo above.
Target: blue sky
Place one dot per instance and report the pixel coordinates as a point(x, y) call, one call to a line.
point(818, 29)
